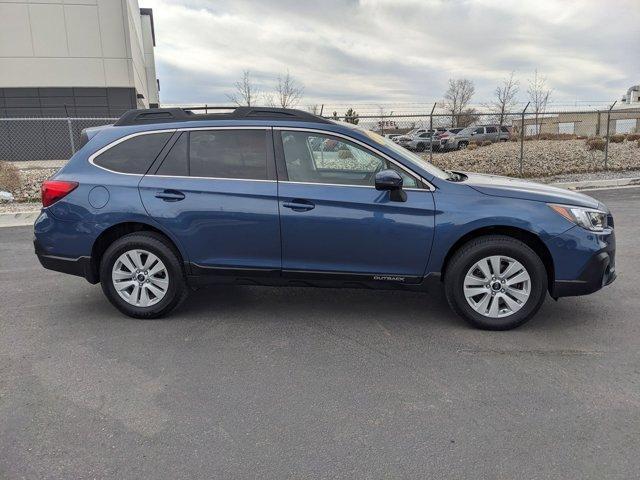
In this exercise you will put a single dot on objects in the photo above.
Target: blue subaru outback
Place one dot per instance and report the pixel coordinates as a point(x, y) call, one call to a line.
point(165, 200)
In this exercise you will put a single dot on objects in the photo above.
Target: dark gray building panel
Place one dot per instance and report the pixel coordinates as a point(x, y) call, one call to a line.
point(90, 102)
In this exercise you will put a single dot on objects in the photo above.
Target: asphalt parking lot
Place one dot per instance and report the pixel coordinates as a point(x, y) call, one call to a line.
point(251, 382)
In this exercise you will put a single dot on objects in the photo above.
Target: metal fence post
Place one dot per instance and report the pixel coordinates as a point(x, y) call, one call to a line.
point(71, 141)
point(522, 138)
point(431, 128)
point(606, 144)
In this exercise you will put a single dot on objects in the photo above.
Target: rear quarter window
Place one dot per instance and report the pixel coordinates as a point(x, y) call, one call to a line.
point(134, 155)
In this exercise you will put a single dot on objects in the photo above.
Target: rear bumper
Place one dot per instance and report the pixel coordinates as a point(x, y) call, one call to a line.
point(599, 271)
point(80, 266)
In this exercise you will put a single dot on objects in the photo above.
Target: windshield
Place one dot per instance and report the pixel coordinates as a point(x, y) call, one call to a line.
point(401, 151)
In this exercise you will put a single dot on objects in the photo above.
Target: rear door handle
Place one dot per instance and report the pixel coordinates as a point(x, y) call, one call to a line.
point(170, 195)
point(299, 205)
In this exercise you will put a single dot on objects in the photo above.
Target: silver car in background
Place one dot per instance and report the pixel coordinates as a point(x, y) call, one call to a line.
point(479, 134)
point(418, 143)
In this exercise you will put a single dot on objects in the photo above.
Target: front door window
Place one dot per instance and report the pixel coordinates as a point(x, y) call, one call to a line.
point(316, 158)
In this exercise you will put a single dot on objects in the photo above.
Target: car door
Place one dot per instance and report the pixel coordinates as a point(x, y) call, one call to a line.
point(215, 191)
point(333, 220)
point(491, 134)
point(478, 135)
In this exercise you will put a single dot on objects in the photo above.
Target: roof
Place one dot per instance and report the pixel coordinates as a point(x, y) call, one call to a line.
point(171, 115)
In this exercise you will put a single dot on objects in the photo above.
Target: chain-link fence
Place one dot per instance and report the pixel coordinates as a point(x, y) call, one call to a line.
point(43, 138)
point(522, 143)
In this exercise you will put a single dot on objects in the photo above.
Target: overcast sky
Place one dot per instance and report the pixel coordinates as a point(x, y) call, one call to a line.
point(395, 51)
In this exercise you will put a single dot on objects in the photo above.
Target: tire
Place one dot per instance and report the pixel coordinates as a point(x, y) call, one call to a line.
point(512, 308)
point(164, 275)
point(420, 147)
point(462, 145)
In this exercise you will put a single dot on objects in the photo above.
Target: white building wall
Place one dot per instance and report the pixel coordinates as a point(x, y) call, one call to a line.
point(149, 59)
point(74, 43)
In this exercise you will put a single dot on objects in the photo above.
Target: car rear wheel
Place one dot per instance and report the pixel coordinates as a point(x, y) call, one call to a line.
point(142, 276)
point(420, 147)
point(496, 282)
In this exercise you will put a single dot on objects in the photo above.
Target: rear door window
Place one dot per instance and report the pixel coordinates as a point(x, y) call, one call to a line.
point(134, 155)
point(492, 130)
point(238, 154)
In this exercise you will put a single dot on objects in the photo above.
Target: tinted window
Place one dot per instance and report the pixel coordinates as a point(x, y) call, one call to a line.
point(176, 162)
point(134, 155)
point(479, 130)
point(228, 154)
point(317, 158)
point(504, 129)
point(492, 130)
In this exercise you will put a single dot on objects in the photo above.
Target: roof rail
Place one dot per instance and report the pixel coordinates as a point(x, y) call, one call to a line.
point(169, 115)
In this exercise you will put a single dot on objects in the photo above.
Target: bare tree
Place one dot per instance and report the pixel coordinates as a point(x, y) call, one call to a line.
point(314, 109)
point(505, 97)
point(539, 95)
point(457, 97)
point(467, 117)
point(289, 92)
point(246, 93)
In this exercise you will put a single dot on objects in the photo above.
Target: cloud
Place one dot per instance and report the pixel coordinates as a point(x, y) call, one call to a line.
point(383, 51)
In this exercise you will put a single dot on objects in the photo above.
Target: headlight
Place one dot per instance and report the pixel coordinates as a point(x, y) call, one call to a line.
point(589, 218)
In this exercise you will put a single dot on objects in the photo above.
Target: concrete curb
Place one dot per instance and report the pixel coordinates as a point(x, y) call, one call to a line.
point(599, 184)
point(18, 219)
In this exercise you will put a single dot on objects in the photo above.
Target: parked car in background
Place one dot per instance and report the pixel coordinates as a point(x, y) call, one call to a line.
point(478, 133)
point(165, 200)
point(441, 137)
point(391, 136)
point(417, 143)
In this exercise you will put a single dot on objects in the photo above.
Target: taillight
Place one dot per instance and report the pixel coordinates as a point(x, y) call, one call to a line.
point(54, 190)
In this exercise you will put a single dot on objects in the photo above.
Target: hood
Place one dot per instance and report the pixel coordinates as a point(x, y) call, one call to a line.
point(525, 190)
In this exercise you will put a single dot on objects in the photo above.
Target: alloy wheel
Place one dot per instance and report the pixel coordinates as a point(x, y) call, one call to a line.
point(497, 286)
point(140, 278)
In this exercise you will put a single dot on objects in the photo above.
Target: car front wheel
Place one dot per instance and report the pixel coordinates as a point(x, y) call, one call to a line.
point(496, 282)
point(142, 276)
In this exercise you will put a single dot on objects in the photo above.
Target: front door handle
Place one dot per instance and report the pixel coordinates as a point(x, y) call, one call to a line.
point(170, 195)
point(299, 205)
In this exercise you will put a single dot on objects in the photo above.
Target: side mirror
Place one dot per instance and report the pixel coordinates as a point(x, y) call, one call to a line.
point(392, 181)
point(388, 180)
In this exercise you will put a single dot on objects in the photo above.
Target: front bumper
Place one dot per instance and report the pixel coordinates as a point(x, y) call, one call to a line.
point(598, 271)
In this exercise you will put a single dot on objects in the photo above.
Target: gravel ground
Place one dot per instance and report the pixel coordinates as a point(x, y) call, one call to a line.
point(578, 177)
point(31, 181)
point(542, 158)
point(19, 207)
